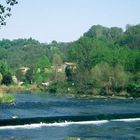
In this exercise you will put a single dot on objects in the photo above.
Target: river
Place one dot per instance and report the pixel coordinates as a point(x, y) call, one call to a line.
point(109, 119)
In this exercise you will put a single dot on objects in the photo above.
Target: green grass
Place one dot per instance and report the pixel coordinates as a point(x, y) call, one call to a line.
point(7, 98)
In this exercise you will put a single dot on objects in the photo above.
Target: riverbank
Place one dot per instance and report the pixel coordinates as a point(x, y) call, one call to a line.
point(61, 89)
point(6, 92)
point(88, 91)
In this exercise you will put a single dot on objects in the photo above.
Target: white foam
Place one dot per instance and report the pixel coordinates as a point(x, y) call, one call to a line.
point(63, 124)
point(127, 120)
point(27, 126)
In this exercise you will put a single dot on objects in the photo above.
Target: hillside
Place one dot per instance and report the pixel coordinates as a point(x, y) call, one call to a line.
point(107, 60)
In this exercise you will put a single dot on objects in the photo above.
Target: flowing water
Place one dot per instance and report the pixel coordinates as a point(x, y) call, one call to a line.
point(42, 117)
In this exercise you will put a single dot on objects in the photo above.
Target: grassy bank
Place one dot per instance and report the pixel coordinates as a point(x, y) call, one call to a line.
point(65, 89)
point(6, 92)
point(6, 98)
point(88, 91)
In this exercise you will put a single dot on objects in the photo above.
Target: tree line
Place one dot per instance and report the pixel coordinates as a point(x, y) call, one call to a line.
point(107, 61)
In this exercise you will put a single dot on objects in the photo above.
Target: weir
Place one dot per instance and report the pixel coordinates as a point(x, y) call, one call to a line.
point(59, 119)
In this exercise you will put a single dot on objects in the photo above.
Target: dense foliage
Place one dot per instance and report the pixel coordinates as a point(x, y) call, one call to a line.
point(107, 61)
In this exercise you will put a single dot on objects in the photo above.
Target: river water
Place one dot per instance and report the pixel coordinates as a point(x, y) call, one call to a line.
point(30, 106)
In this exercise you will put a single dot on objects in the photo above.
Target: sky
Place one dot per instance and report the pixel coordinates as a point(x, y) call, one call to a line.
point(67, 20)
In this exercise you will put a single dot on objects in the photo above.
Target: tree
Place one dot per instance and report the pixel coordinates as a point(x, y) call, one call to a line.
point(57, 63)
point(131, 37)
point(5, 10)
point(7, 79)
point(68, 72)
point(86, 53)
point(29, 76)
point(4, 68)
point(104, 33)
point(1, 77)
point(81, 53)
point(6, 73)
point(110, 80)
point(43, 62)
point(57, 60)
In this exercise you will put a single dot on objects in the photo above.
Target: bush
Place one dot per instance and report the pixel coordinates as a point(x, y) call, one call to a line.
point(6, 98)
point(1, 77)
point(134, 89)
point(111, 80)
point(7, 79)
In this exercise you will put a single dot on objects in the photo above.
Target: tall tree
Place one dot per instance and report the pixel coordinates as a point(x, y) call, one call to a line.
point(5, 10)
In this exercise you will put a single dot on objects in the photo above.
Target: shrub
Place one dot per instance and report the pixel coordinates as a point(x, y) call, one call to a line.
point(133, 86)
point(111, 80)
point(7, 79)
point(1, 77)
point(6, 98)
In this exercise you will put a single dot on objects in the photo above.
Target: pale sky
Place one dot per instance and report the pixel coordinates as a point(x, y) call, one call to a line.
point(67, 20)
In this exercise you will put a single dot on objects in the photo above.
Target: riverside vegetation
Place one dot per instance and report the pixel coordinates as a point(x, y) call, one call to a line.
point(102, 62)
